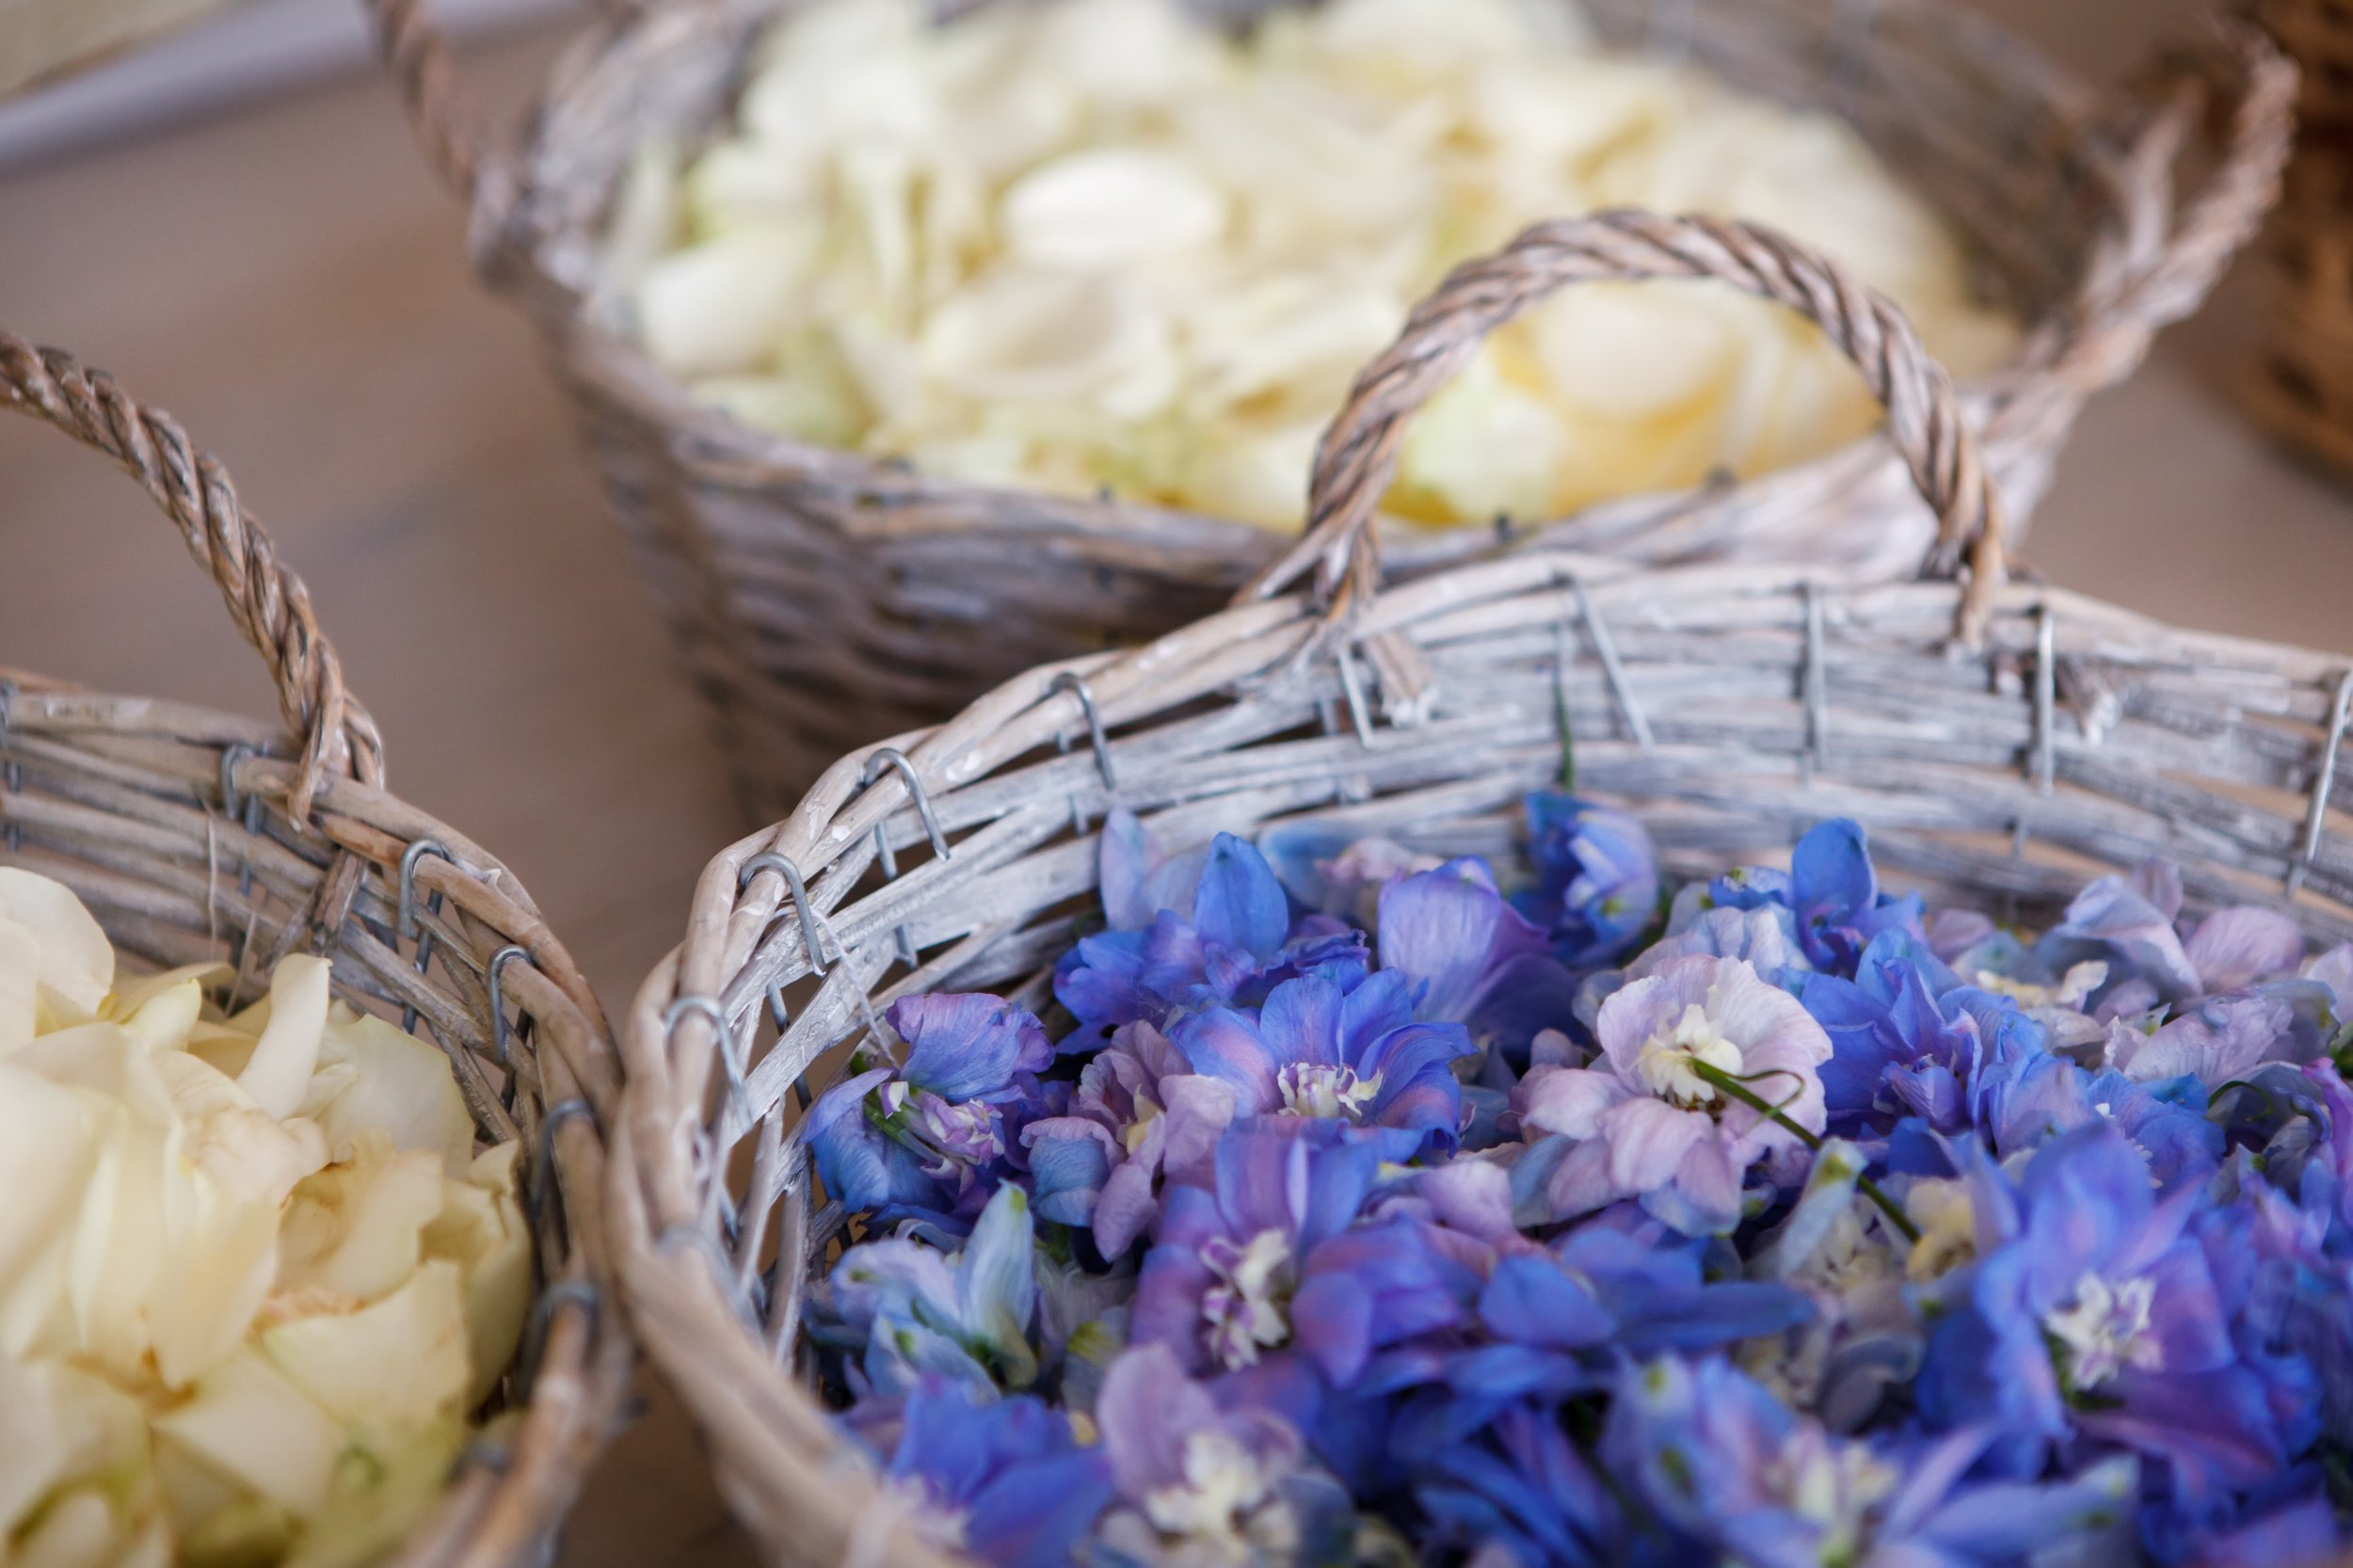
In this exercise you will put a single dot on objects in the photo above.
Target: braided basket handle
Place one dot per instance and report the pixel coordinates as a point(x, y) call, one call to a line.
point(266, 598)
point(2246, 88)
point(448, 119)
point(1358, 455)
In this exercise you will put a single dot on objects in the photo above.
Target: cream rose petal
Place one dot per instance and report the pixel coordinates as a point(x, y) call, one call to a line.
point(278, 1071)
point(76, 963)
point(1110, 206)
point(400, 1363)
point(398, 1085)
point(250, 1421)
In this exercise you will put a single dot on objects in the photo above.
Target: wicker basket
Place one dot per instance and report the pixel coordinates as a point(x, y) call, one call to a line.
point(195, 836)
point(1998, 738)
point(2301, 383)
point(823, 600)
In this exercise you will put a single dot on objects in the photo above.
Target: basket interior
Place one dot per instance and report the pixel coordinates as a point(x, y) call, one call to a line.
point(170, 821)
point(1988, 131)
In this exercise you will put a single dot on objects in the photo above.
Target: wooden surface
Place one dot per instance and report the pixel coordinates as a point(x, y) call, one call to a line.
point(288, 282)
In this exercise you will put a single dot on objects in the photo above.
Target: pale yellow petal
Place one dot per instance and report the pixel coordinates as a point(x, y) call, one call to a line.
point(279, 1072)
point(76, 961)
point(250, 1422)
point(352, 1229)
point(401, 1086)
point(393, 1366)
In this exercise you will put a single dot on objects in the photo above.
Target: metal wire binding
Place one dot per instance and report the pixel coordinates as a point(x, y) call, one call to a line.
point(405, 923)
point(1067, 681)
point(708, 1007)
point(771, 861)
point(499, 960)
point(405, 908)
point(2045, 700)
point(540, 1181)
point(1607, 651)
point(1561, 659)
point(1816, 685)
point(723, 1267)
point(11, 774)
point(1352, 684)
point(887, 758)
point(236, 805)
point(572, 1292)
point(2318, 815)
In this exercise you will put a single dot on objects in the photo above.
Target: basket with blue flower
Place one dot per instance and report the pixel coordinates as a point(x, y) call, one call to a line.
point(1546, 1063)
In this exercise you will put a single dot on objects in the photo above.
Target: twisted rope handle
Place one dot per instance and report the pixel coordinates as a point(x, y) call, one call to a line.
point(448, 119)
point(266, 599)
point(1358, 456)
point(2238, 77)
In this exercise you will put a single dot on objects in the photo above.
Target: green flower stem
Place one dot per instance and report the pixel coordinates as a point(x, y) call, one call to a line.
point(1718, 1079)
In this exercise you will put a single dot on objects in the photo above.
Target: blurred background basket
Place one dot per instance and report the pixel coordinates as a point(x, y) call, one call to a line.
point(822, 600)
point(2000, 741)
point(195, 836)
point(2301, 385)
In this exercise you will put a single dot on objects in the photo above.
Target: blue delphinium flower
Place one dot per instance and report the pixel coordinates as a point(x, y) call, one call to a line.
point(2029, 1097)
point(1429, 1222)
point(1002, 1478)
point(1723, 1466)
point(1235, 941)
point(1216, 1285)
point(1355, 1056)
point(1833, 890)
point(921, 1135)
point(1654, 1119)
point(1198, 1483)
point(1896, 1048)
point(1597, 889)
point(1467, 957)
point(902, 1310)
point(2091, 1309)
point(1138, 1118)
point(1517, 1485)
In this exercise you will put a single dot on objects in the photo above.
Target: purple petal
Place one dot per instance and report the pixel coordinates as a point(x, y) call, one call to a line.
point(1147, 1410)
point(1332, 1324)
point(1567, 1101)
point(1580, 1183)
point(961, 1045)
point(1070, 1158)
point(1226, 1045)
point(1531, 1300)
point(1301, 1021)
point(1648, 1140)
point(1708, 1185)
point(2237, 947)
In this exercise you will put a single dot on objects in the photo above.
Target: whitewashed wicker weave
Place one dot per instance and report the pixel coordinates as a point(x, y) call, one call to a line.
point(196, 836)
point(2003, 741)
point(822, 600)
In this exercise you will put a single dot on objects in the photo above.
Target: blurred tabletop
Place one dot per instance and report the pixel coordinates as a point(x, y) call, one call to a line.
point(287, 281)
